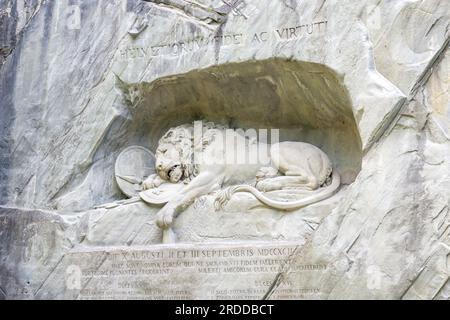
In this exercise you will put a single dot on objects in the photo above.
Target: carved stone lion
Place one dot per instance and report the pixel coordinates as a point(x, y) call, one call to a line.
point(205, 165)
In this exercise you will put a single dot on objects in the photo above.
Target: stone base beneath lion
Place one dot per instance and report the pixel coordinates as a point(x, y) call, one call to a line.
point(38, 247)
point(244, 218)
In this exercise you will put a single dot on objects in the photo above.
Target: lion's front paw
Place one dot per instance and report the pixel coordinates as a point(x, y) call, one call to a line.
point(165, 217)
point(151, 182)
point(147, 185)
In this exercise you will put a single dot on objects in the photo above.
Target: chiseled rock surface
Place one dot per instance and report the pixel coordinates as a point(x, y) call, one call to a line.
point(77, 88)
point(395, 243)
point(14, 17)
point(32, 243)
point(245, 218)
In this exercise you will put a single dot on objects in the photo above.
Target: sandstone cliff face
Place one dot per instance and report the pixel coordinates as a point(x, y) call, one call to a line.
point(368, 81)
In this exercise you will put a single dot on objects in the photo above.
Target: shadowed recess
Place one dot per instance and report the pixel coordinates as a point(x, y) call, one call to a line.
point(306, 101)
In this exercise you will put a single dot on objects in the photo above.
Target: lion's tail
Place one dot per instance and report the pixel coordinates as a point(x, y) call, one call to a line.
point(320, 195)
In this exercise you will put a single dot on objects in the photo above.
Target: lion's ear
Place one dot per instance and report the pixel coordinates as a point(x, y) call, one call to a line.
point(168, 134)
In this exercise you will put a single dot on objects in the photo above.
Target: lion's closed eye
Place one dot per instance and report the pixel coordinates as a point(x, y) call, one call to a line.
point(168, 135)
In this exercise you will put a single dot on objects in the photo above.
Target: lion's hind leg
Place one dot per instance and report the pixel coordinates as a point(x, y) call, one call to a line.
point(285, 182)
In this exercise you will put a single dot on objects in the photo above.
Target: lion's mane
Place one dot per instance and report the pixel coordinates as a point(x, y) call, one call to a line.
point(182, 139)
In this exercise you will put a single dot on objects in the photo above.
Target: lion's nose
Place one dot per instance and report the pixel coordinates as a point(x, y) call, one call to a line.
point(159, 167)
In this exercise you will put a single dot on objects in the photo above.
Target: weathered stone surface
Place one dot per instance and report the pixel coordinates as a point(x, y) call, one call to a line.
point(367, 81)
point(32, 243)
point(14, 17)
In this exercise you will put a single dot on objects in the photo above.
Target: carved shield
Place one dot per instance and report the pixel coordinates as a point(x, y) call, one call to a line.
point(133, 165)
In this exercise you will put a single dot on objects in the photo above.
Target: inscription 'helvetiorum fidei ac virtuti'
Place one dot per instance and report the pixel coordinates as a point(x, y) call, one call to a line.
point(193, 44)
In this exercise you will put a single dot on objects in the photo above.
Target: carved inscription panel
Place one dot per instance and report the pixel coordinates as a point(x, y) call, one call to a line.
point(190, 45)
point(213, 271)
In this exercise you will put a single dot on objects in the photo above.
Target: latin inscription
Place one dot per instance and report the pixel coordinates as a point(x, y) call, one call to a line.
point(209, 273)
point(233, 39)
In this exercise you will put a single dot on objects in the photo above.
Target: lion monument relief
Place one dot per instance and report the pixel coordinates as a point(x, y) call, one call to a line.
point(189, 165)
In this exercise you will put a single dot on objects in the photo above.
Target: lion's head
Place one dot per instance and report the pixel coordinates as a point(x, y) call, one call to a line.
point(175, 152)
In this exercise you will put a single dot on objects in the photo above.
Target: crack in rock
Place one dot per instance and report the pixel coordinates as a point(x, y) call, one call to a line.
point(284, 269)
point(192, 9)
